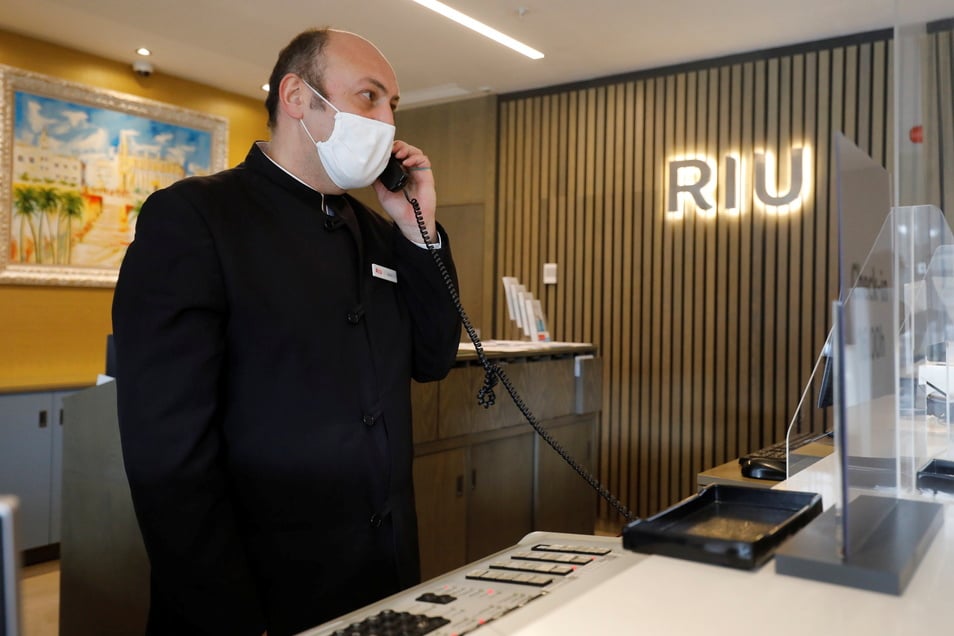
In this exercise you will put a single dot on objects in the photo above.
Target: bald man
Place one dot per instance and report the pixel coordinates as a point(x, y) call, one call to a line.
point(267, 327)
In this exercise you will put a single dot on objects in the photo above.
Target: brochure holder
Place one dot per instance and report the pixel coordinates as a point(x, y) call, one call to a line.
point(525, 310)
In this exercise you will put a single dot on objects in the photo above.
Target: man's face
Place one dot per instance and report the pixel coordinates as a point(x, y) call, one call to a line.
point(357, 79)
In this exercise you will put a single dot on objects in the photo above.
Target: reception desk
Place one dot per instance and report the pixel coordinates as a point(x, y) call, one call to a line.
point(104, 578)
point(628, 593)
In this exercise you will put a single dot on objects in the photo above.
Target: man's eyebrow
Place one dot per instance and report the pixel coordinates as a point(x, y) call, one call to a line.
point(377, 84)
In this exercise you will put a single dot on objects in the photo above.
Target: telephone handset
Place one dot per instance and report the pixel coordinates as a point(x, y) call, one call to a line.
point(394, 177)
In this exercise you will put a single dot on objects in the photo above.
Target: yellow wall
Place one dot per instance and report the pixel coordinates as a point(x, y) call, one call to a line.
point(55, 336)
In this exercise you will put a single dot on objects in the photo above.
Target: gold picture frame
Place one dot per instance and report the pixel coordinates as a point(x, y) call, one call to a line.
point(76, 162)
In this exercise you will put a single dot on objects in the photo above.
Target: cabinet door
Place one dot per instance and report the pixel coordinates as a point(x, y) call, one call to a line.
point(564, 502)
point(25, 448)
point(500, 501)
point(439, 489)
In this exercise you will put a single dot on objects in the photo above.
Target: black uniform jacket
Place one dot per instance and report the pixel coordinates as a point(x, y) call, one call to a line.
point(264, 377)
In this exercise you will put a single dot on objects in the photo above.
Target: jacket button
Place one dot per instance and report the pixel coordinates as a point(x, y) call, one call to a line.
point(367, 420)
point(356, 314)
point(376, 520)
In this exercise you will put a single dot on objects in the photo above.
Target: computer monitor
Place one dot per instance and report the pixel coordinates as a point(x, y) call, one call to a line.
point(9, 569)
point(826, 393)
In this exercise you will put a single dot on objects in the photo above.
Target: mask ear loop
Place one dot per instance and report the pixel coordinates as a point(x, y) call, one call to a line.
point(302, 122)
point(315, 91)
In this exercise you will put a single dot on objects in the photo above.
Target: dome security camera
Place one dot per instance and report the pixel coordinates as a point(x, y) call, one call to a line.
point(143, 68)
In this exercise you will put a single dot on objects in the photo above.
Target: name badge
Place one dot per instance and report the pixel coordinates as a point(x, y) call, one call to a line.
point(384, 273)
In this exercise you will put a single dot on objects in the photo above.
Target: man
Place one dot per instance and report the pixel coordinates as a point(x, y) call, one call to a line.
point(267, 327)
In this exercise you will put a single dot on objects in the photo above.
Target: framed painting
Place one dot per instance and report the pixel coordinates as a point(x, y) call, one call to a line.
point(76, 164)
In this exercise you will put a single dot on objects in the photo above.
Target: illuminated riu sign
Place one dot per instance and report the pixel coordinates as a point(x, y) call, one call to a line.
point(691, 184)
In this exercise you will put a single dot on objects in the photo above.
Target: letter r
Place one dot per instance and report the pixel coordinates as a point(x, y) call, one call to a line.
point(693, 189)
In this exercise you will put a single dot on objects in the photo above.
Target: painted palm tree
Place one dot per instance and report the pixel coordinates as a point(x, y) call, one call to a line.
point(27, 206)
point(49, 204)
point(134, 210)
point(71, 207)
point(133, 214)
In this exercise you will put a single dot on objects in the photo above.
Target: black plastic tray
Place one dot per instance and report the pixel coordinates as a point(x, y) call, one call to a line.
point(736, 526)
point(937, 475)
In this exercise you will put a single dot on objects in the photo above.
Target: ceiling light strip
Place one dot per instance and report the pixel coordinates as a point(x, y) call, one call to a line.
point(480, 28)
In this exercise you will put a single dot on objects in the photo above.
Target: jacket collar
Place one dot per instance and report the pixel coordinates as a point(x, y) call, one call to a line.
point(259, 162)
point(341, 207)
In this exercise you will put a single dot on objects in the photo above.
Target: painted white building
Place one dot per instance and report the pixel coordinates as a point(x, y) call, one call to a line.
point(36, 164)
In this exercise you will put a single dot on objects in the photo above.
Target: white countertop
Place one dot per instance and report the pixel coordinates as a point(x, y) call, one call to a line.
point(497, 348)
point(661, 595)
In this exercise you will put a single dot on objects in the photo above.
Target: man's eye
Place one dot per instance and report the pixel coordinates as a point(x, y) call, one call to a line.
point(368, 95)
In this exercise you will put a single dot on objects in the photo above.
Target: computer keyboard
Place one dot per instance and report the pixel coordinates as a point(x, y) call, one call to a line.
point(770, 462)
point(777, 450)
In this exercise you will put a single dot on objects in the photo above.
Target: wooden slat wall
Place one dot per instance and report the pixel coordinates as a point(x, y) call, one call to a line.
point(939, 132)
point(708, 328)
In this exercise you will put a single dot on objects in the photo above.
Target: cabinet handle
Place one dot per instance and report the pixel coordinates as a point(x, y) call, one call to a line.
point(61, 417)
point(43, 418)
point(473, 479)
point(460, 485)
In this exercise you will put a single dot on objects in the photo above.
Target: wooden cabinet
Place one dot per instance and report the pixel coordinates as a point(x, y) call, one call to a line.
point(563, 501)
point(473, 501)
point(31, 462)
point(500, 505)
point(440, 493)
point(483, 478)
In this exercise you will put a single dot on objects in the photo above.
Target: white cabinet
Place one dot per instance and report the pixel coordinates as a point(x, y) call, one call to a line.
point(31, 462)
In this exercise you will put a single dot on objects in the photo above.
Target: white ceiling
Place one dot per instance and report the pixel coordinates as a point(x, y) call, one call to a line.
point(232, 44)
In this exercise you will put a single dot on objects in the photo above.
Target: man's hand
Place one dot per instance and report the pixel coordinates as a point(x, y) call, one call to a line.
point(420, 186)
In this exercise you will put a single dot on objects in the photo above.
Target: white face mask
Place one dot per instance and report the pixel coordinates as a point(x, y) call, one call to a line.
point(357, 150)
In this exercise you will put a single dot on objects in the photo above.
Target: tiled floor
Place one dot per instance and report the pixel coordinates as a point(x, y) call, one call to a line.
point(40, 589)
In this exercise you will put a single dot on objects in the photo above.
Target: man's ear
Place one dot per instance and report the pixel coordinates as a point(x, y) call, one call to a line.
point(293, 96)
